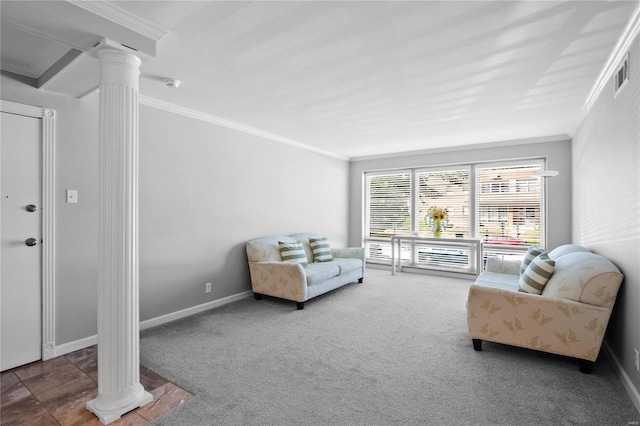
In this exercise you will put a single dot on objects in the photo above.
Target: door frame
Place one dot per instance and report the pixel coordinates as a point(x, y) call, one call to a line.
point(47, 167)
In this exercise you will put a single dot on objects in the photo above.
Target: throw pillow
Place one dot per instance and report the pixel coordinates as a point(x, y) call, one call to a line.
point(293, 252)
point(321, 249)
point(537, 274)
point(531, 254)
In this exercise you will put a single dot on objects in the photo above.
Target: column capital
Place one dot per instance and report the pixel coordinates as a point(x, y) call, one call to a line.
point(118, 65)
point(118, 57)
point(106, 44)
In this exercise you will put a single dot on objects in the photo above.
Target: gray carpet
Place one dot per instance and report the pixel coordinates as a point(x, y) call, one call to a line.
point(393, 350)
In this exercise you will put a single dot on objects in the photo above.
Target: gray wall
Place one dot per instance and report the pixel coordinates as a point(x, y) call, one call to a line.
point(557, 153)
point(204, 191)
point(606, 201)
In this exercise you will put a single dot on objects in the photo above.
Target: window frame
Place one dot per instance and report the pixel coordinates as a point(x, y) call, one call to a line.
point(541, 162)
point(473, 210)
point(367, 192)
point(415, 195)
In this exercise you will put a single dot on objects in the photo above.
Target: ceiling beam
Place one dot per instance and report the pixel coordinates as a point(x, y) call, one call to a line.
point(81, 25)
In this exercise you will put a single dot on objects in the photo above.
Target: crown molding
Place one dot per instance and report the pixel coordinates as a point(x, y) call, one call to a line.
point(111, 12)
point(480, 145)
point(615, 58)
point(176, 109)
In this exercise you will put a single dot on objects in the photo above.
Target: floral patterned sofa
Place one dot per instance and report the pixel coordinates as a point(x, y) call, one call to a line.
point(569, 317)
point(307, 273)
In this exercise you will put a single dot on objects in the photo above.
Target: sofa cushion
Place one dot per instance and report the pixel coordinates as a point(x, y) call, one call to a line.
point(503, 266)
point(347, 264)
point(531, 254)
point(293, 252)
point(498, 280)
point(566, 249)
point(317, 273)
point(537, 274)
point(585, 277)
point(320, 249)
point(266, 248)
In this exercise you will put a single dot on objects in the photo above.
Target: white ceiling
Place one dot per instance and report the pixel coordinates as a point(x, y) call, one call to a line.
point(367, 78)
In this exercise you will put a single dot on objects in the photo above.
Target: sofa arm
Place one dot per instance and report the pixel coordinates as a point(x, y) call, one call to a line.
point(349, 252)
point(559, 326)
point(286, 280)
point(503, 266)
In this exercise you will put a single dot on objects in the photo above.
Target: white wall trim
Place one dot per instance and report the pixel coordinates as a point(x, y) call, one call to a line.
point(21, 109)
point(496, 144)
point(611, 66)
point(153, 322)
point(166, 106)
point(48, 233)
point(113, 13)
point(194, 310)
point(634, 394)
point(76, 345)
point(47, 117)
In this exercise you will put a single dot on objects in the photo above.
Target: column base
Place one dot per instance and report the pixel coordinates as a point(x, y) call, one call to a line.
point(108, 416)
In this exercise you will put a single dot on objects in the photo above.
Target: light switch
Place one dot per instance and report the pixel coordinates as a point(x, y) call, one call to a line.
point(72, 196)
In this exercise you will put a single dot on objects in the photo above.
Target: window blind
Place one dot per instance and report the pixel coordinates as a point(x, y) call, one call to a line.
point(509, 203)
point(388, 204)
point(445, 189)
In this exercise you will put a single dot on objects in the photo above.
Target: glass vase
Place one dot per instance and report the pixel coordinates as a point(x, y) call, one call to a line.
point(437, 229)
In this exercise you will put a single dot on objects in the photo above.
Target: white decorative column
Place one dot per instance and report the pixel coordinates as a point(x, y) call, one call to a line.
point(119, 388)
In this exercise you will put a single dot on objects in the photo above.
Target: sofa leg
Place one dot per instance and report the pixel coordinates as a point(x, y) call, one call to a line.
point(477, 344)
point(586, 366)
point(300, 305)
point(258, 296)
point(360, 280)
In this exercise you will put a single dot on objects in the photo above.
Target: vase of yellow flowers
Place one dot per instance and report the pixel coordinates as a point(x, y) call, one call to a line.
point(437, 218)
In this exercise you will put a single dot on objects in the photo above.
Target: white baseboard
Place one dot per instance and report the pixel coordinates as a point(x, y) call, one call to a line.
point(624, 378)
point(193, 310)
point(92, 340)
point(76, 345)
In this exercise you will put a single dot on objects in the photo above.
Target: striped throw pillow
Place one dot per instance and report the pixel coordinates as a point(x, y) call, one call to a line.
point(537, 274)
point(531, 254)
point(293, 252)
point(321, 249)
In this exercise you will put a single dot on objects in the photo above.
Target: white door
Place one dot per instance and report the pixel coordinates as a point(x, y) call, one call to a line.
point(21, 235)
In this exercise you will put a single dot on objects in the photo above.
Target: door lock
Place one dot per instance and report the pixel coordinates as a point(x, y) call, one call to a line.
point(31, 242)
point(32, 208)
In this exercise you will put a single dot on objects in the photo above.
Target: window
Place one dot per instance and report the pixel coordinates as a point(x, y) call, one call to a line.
point(389, 204)
point(509, 204)
point(501, 203)
point(448, 189)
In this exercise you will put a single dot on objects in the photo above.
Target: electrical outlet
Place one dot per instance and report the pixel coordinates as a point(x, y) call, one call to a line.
point(637, 360)
point(207, 288)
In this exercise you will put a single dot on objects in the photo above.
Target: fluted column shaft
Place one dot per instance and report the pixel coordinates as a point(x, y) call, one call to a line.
point(119, 388)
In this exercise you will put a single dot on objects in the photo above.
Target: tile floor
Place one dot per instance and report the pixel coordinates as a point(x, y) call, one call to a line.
point(54, 392)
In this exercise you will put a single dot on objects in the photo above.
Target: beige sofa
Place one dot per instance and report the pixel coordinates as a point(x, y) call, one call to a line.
point(568, 318)
point(272, 276)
